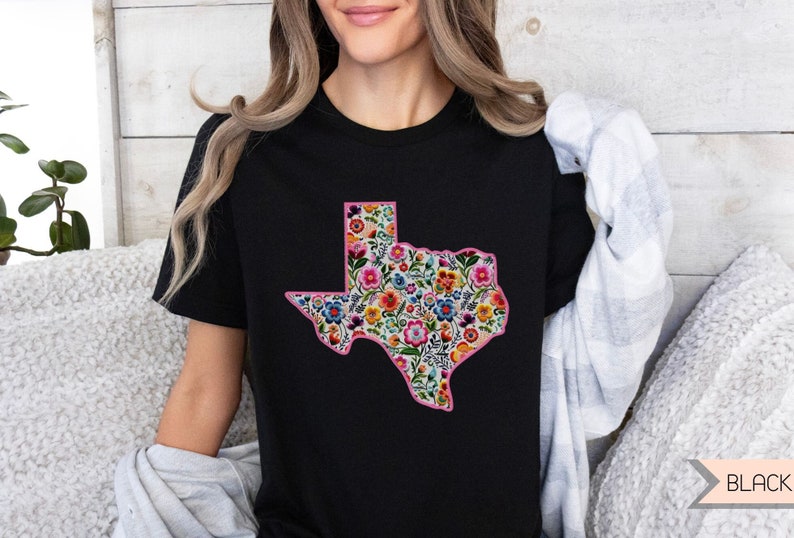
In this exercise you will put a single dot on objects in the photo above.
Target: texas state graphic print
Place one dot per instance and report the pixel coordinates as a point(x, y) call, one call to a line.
point(429, 310)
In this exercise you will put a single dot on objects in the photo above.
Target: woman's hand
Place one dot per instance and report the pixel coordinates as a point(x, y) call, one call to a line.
point(206, 394)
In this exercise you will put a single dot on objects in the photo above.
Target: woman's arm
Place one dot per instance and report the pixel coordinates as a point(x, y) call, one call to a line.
point(206, 394)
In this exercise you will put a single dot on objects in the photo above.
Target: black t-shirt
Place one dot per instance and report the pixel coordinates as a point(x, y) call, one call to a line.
point(356, 324)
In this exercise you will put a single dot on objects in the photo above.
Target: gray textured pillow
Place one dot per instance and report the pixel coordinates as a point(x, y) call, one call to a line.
point(87, 360)
point(723, 389)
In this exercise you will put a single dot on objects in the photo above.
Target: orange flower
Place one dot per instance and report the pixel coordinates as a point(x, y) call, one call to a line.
point(471, 334)
point(356, 226)
point(446, 336)
point(498, 300)
point(460, 351)
point(389, 300)
point(394, 340)
point(369, 208)
point(333, 334)
point(390, 228)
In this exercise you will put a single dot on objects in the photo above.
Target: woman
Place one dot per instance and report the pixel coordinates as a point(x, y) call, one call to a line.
point(373, 111)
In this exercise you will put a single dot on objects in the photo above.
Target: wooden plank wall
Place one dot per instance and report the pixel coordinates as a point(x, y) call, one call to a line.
point(712, 80)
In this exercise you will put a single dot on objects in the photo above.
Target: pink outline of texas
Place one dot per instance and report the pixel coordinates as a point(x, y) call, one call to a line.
point(429, 310)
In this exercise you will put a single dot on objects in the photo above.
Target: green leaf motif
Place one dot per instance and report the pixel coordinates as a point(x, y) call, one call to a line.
point(2, 206)
point(471, 260)
point(10, 107)
point(409, 351)
point(81, 239)
point(35, 204)
point(4, 96)
point(7, 228)
point(74, 172)
point(13, 143)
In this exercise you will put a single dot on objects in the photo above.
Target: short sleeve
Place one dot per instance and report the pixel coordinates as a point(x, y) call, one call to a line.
point(570, 238)
point(214, 293)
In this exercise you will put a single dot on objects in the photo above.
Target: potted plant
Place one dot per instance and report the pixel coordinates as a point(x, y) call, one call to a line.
point(64, 236)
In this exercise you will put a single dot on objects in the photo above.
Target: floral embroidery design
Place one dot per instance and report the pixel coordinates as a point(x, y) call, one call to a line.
point(430, 310)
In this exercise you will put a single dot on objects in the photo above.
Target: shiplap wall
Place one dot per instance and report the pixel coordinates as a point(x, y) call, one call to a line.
point(712, 79)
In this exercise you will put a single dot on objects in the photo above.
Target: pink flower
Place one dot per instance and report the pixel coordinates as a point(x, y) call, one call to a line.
point(357, 250)
point(370, 277)
point(481, 275)
point(415, 333)
point(397, 252)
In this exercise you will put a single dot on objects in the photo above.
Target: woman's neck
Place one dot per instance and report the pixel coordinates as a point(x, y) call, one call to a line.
point(392, 95)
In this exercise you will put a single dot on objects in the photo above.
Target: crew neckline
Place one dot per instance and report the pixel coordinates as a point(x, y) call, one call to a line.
point(395, 137)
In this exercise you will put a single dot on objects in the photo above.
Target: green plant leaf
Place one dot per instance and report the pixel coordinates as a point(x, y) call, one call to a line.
point(10, 107)
point(74, 172)
point(60, 192)
point(7, 228)
point(35, 204)
point(81, 238)
point(66, 236)
point(5, 96)
point(54, 169)
point(2, 206)
point(13, 143)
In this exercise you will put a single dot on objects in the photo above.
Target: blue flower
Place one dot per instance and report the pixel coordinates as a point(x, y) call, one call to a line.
point(444, 309)
point(456, 294)
point(398, 281)
point(333, 312)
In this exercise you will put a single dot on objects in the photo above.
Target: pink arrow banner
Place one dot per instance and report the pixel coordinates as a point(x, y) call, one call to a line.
point(745, 483)
point(429, 310)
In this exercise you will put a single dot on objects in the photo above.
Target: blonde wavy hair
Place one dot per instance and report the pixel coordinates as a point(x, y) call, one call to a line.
point(303, 52)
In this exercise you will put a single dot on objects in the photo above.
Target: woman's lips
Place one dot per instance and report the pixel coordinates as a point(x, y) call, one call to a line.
point(368, 15)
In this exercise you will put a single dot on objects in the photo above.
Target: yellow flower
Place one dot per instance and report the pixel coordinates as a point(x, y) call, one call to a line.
point(484, 312)
point(447, 281)
point(372, 314)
